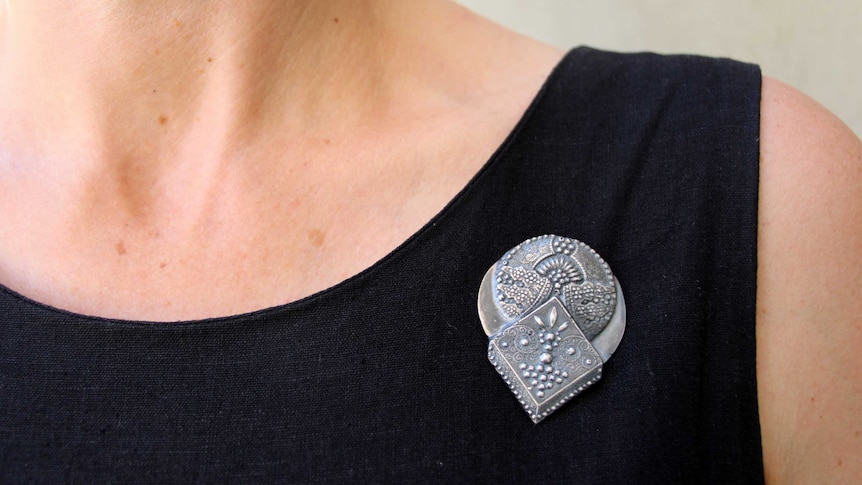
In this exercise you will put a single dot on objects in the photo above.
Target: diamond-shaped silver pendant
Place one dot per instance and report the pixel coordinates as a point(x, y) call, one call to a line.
point(554, 314)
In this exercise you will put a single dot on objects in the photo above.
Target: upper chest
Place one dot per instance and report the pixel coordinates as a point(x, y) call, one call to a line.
point(295, 219)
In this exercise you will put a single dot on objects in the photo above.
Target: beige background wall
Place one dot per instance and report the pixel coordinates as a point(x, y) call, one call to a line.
point(814, 45)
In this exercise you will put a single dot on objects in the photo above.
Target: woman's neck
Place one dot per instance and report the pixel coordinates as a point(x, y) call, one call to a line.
point(154, 70)
point(182, 151)
point(161, 107)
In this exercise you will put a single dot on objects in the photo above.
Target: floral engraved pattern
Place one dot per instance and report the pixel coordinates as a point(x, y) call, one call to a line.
point(518, 343)
point(520, 289)
point(545, 359)
point(543, 305)
point(576, 353)
point(546, 349)
point(561, 270)
point(535, 253)
point(553, 266)
point(593, 306)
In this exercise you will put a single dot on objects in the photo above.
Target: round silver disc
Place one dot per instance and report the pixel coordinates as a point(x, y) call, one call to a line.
point(558, 267)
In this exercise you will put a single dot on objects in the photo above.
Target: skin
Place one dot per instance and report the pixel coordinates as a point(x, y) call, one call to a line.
point(809, 302)
point(297, 142)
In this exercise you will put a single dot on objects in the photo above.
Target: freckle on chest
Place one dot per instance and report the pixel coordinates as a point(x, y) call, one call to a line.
point(121, 248)
point(316, 237)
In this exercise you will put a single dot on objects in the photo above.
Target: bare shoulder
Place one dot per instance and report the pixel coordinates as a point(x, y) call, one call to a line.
point(809, 321)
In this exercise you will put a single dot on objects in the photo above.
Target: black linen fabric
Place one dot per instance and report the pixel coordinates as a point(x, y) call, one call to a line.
point(651, 160)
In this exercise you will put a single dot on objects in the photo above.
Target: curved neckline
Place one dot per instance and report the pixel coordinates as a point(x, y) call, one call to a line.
point(331, 291)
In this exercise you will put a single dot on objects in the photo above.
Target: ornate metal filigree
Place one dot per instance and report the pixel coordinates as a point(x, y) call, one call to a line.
point(554, 314)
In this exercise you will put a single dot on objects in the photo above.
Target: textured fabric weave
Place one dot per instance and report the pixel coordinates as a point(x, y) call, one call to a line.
point(651, 160)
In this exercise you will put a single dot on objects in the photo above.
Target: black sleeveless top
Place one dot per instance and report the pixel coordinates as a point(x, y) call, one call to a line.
point(651, 160)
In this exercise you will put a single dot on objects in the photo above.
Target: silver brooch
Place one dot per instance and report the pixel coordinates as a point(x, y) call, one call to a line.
point(554, 314)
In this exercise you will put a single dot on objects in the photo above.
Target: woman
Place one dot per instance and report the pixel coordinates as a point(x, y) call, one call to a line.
point(179, 161)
